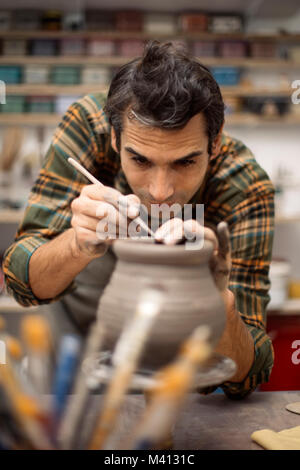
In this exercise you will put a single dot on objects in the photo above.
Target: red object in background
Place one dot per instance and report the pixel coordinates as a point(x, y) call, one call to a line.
point(284, 331)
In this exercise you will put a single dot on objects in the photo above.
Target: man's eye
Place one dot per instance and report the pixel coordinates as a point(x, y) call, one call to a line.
point(140, 160)
point(185, 163)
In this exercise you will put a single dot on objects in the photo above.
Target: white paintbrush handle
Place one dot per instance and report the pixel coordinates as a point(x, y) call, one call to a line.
point(86, 173)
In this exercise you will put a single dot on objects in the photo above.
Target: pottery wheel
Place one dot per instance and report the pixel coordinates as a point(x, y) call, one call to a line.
point(294, 407)
point(215, 371)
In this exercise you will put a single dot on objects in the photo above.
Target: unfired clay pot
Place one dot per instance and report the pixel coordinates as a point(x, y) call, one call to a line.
point(192, 298)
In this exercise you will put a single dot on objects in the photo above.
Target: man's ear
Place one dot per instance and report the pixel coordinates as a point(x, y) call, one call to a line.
point(216, 146)
point(114, 140)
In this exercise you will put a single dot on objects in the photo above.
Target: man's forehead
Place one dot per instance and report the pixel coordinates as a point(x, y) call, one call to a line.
point(133, 128)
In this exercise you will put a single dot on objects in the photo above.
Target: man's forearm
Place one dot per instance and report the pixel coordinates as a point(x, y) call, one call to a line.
point(54, 265)
point(236, 341)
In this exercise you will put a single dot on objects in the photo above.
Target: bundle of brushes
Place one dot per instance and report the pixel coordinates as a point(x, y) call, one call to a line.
point(47, 407)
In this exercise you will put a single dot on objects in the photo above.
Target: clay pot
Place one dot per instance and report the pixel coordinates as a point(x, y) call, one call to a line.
point(192, 298)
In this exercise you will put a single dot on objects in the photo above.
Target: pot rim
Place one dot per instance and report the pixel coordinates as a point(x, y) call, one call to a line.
point(145, 250)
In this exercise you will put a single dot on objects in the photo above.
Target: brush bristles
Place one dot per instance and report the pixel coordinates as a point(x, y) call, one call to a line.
point(36, 333)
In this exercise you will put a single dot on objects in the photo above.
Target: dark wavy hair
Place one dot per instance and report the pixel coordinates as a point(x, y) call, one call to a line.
point(165, 88)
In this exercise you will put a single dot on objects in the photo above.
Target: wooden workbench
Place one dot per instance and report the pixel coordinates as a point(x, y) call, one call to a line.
point(214, 421)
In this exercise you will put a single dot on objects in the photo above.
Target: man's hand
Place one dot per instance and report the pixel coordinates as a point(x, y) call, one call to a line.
point(220, 262)
point(97, 222)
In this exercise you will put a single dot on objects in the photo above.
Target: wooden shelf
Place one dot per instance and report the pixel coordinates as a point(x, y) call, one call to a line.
point(146, 35)
point(116, 61)
point(287, 220)
point(9, 305)
point(290, 307)
point(50, 89)
point(251, 119)
point(30, 119)
point(10, 216)
point(64, 60)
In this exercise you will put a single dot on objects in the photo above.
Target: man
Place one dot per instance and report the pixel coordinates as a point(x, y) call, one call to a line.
point(158, 140)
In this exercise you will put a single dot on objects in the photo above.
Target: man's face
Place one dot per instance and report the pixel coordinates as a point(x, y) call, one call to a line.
point(164, 166)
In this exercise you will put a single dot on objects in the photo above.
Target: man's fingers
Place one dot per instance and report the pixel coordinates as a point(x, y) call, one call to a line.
point(210, 235)
point(110, 195)
point(112, 223)
point(131, 203)
point(170, 232)
point(224, 239)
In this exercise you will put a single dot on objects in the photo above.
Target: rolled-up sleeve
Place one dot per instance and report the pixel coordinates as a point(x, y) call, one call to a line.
point(48, 211)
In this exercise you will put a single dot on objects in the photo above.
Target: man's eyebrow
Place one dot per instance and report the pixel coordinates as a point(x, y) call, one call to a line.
point(196, 153)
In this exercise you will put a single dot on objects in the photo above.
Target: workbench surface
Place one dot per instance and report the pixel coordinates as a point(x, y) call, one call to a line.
point(214, 421)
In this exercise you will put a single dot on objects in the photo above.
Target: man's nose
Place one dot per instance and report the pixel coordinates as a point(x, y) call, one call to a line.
point(161, 188)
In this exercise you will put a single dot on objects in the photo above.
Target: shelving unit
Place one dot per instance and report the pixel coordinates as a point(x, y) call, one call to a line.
point(9, 305)
point(286, 38)
point(241, 91)
point(49, 89)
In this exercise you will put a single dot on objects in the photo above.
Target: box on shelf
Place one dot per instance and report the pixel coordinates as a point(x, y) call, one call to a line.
point(27, 20)
point(10, 74)
point(226, 24)
point(265, 79)
point(72, 46)
point(52, 20)
point(226, 76)
point(62, 103)
point(129, 20)
point(294, 53)
point(5, 20)
point(204, 49)
point(193, 22)
point(268, 106)
point(14, 47)
point(263, 49)
point(40, 104)
point(233, 105)
point(160, 23)
point(96, 75)
point(66, 75)
point(14, 104)
point(232, 49)
point(279, 275)
point(73, 21)
point(45, 47)
point(101, 47)
point(36, 74)
point(99, 20)
point(130, 47)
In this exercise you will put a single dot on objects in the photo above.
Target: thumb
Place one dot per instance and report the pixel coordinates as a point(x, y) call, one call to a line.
point(224, 239)
point(132, 203)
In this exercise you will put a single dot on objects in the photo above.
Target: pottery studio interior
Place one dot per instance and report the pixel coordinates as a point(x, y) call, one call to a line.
point(149, 288)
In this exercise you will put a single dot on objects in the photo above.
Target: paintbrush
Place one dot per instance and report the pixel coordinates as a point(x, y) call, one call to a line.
point(120, 205)
point(126, 357)
point(26, 410)
point(37, 338)
point(65, 373)
point(167, 396)
point(76, 408)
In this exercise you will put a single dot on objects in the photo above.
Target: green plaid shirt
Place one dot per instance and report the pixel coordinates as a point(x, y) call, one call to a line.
point(236, 190)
